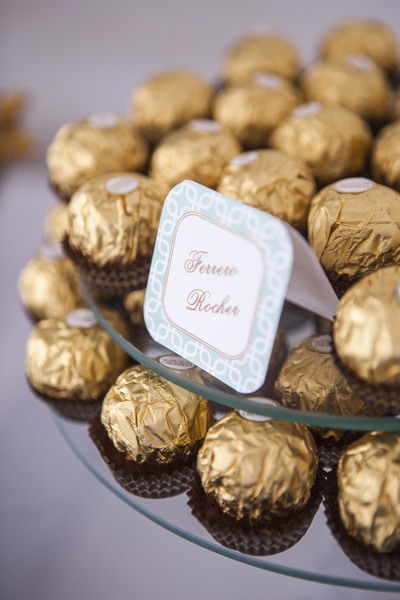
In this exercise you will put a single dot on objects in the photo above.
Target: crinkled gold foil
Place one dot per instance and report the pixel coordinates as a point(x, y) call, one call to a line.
point(367, 327)
point(115, 229)
point(150, 419)
point(369, 490)
point(273, 182)
point(168, 100)
point(309, 380)
point(262, 52)
point(251, 111)
point(257, 470)
point(354, 234)
point(385, 160)
point(334, 142)
point(133, 304)
point(72, 363)
point(55, 225)
point(194, 153)
point(370, 37)
point(81, 151)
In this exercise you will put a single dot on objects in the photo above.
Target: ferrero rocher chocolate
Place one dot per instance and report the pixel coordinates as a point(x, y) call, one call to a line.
point(74, 358)
point(101, 143)
point(49, 284)
point(150, 419)
point(263, 52)
point(385, 160)
point(367, 327)
point(251, 110)
point(257, 469)
point(133, 304)
point(55, 225)
point(369, 490)
point(353, 81)
point(354, 228)
point(370, 37)
point(168, 100)
point(271, 181)
point(197, 151)
point(333, 141)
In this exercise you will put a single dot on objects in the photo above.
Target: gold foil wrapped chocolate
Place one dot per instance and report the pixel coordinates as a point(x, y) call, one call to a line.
point(263, 52)
point(367, 327)
point(354, 228)
point(271, 181)
point(198, 151)
point(251, 110)
point(385, 160)
point(258, 469)
point(55, 225)
point(150, 419)
point(101, 143)
point(332, 140)
point(369, 490)
point(74, 358)
point(168, 100)
point(133, 304)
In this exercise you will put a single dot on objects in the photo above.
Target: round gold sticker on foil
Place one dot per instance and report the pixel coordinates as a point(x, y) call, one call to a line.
point(354, 185)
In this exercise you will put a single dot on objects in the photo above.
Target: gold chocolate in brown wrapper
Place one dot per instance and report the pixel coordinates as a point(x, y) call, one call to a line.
point(333, 141)
point(354, 228)
point(263, 52)
point(353, 81)
point(168, 100)
point(370, 37)
point(385, 159)
point(150, 419)
point(257, 469)
point(56, 221)
point(74, 358)
point(101, 143)
point(367, 327)
point(369, 490)
point(133, 304)
point(251, 110)
point(198, 151)
point(271, 181)
point(49, 284)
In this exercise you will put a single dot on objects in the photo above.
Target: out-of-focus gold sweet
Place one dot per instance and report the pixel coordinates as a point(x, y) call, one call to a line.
point(15, 143)
point(309, 380)
point(12, 104)
point(369, 490)
point(271, 181)
point(367, 327)
point(198, 151)
point(251, 110)
point(370, 37)
point(394, 111)
point(113, 220)
point(150, 419)
point(332, 140)
point(385, 160)
point(168, 100)
point(257, 470)
point(355, 233)
point(353, 81)
point(263, 52)
point(55, 225)
point(71, 362)
point(133, 304)
point(101, 143)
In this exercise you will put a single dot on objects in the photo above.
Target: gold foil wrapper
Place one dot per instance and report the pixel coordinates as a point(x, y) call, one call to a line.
point(385, 160)
point(367, 327)
point(370, 37)
point(198, 151)
point(55, 225)
point(67, 362)
point(264, 52)
point(133, 304)
point(150, 419)
point(369, 490)
point(271, 181)
point(257, 470)
point(332, 140)
point(354, 234)
point(168, 100)
point(115, 228)
point(99, 144)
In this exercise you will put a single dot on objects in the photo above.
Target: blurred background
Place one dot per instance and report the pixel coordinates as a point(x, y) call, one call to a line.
point(64, 536)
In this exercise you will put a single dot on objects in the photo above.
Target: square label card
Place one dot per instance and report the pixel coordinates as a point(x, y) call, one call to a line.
point(218, 280)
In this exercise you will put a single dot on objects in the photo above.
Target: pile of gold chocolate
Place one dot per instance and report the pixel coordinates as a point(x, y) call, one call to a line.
point(16, 141)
